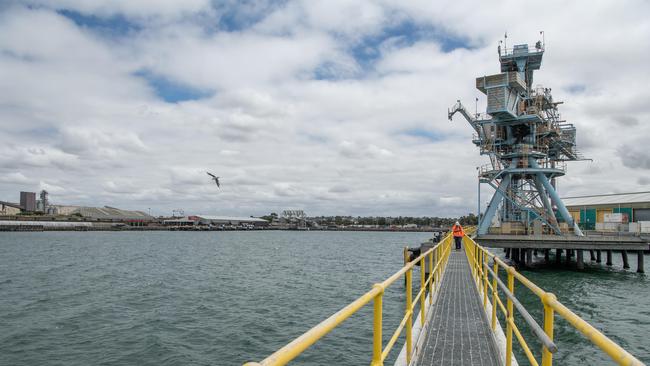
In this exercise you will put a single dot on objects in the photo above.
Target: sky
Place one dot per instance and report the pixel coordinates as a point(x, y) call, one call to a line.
point(334, 107)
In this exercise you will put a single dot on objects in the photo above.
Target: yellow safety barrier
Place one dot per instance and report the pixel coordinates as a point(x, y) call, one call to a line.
point(489, 283)
point(437, 261)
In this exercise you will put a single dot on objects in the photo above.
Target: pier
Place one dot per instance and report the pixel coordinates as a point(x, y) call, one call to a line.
point(460, 332)
point(521, 248)
point(455, 316)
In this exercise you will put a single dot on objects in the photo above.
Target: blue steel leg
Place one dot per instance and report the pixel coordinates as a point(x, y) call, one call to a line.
point(479, 202)
point(543, 196)
point(558, 202)
point(523, 208)
point(496, 200)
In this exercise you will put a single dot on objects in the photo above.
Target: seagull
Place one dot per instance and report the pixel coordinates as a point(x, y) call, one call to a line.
point(215, 179)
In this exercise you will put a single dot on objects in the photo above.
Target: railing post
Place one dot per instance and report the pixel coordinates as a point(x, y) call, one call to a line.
point(510, 320)
point(431, 278)
point(377, 328)
point(478, 265)
point(547, 356)
point(409, 315)
point(485, 279)
point(423, 288)
point(438, 264)
point(494, 295)
point(475, 263)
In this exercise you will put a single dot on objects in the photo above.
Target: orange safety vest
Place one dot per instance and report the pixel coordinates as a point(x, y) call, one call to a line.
point(458, 231)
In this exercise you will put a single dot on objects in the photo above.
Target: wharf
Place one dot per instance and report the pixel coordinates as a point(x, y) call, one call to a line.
point(600, 242)
point(459, 333)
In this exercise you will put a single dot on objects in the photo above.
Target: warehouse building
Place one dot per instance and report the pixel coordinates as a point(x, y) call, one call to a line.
point(610, 212)
point(9, 209)
point(229, 220)
point(112, 214)
point(210, 220)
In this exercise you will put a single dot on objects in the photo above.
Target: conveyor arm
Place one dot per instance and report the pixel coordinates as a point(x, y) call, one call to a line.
point(460, 108)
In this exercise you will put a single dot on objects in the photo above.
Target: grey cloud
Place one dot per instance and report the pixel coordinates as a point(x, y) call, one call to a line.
point(592, 169)
point(121, 187)
point(35, 156)
point(627, 121)
point(14, 178)
point(644, 181)
point(85, 142)
point(237, 128)
point(141, 11)
point(634, 155)
point(286, 190)
point(340, 189)
point(189, 176)
point(356, 150)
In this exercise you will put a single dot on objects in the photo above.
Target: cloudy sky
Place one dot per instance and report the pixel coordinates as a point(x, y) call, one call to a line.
point(334, 107)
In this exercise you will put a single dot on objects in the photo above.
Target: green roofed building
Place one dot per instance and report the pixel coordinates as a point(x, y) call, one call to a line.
point(610, 212)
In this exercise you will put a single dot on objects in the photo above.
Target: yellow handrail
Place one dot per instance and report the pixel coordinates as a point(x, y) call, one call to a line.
point(479, 256)
point(437, 258)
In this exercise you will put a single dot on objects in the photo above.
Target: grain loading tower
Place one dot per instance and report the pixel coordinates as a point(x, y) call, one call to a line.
point(528, 145)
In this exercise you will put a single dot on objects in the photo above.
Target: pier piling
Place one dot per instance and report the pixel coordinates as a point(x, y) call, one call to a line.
point(626, 265)
point(514, 254)
point(529, 257)
point(639, 262)
point(579, 259)
point(599, 257)
point(546, 256)
point(592, 255)
point(609, 258)
point(558, 256)
point(522, 255)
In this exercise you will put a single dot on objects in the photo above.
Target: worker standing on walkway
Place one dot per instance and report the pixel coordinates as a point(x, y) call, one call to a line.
point(458, 232)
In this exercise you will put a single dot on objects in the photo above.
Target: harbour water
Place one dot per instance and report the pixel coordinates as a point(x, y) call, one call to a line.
point(223, 298)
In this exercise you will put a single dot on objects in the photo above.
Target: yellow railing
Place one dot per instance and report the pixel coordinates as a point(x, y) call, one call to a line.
point(488, 282)
point(436, 257)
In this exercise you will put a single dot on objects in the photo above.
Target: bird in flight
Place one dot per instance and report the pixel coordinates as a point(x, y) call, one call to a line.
point(215, 179)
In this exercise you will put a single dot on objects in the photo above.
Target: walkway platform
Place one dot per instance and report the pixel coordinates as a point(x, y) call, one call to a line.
point(460, 332)
point(600, 242)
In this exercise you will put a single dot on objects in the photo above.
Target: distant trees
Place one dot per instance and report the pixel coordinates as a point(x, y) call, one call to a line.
point(270, 217)
point(470, 219)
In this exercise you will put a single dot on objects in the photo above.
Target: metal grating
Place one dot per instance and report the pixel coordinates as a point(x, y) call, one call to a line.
point(459, 333)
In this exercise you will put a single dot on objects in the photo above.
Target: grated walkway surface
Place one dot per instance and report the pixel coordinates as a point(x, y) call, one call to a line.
point(459, 333)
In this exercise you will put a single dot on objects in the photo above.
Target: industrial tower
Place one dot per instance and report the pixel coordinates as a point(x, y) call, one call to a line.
point(528, 145)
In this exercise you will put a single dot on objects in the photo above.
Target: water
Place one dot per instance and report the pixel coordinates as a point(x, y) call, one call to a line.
point(615, 301)
point(224, 298)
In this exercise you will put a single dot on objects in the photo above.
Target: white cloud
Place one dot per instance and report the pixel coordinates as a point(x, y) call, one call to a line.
point(77, 118)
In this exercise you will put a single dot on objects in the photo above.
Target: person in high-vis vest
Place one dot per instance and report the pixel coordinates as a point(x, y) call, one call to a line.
point(458, 233)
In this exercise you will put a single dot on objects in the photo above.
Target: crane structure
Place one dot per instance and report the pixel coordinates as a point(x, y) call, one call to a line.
point(528, 145)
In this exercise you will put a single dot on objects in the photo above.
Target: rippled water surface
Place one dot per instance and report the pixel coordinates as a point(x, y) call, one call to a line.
point(223, 298)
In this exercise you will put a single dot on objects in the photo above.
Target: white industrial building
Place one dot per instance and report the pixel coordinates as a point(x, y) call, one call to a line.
point(9, 209)
point(211, 220)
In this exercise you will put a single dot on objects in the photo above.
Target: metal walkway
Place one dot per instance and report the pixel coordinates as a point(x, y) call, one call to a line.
point(459, 333)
